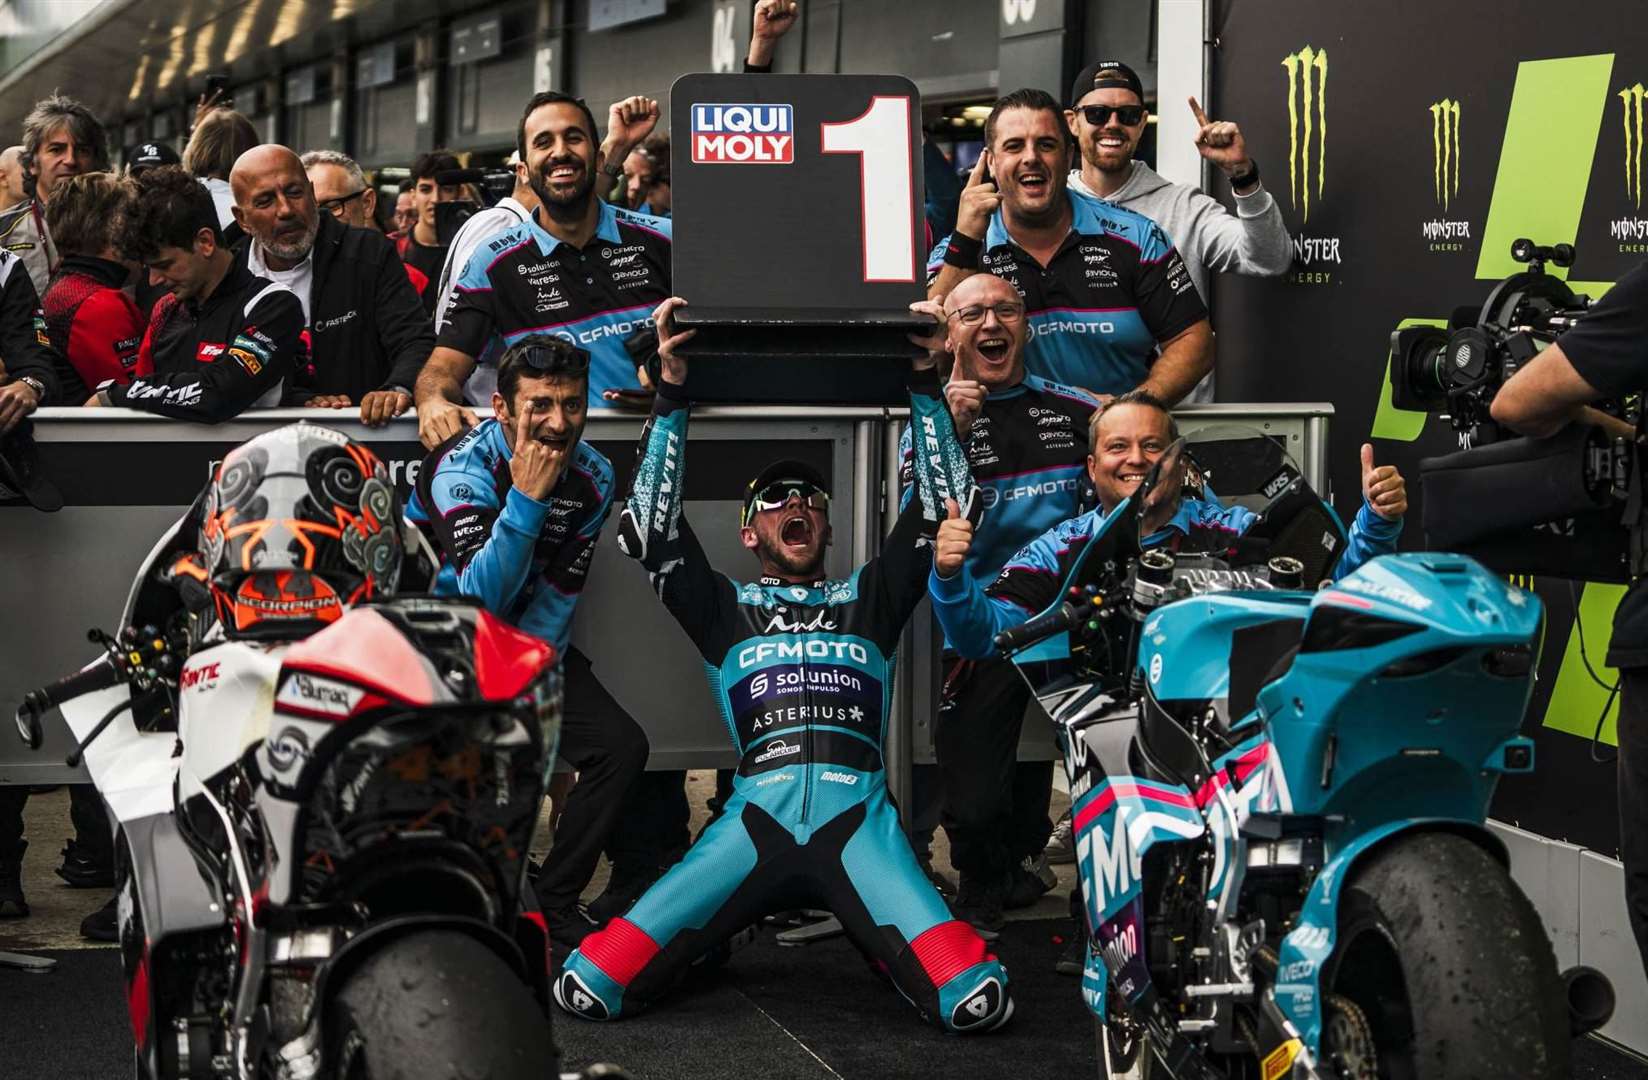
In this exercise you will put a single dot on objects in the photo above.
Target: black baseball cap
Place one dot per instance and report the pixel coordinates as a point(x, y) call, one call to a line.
point(784, 469)
point(148, 155)
point(1105, 75)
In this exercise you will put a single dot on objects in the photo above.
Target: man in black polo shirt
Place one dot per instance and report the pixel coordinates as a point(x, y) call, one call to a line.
point(222, 340)
point(1111, 306)
point(368, 331)
point(580, 269)
point(1606, 355)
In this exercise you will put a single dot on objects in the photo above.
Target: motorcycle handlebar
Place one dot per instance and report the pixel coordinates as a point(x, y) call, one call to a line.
point(99, 676)
point(1045, 625)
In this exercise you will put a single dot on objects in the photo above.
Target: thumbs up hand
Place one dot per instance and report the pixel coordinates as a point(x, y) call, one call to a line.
point(1383, 487)
point(955, 540)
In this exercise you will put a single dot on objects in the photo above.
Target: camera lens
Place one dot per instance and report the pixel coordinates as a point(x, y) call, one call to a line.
point(1419, 378)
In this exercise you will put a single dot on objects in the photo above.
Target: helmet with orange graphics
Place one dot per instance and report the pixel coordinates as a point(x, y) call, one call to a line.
point(298, 523)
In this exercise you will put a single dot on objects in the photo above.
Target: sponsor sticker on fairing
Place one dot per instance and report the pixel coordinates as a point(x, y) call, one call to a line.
point(311, 694)
point(733, 134)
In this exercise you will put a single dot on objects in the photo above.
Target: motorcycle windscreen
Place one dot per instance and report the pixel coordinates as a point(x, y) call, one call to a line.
point(1232, 465)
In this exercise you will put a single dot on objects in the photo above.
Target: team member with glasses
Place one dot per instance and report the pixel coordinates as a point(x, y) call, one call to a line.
point(515, 505)
point(1110, 304)
point(367, 333)
point(342, 191)
point(1026, 442)
point(1108, 117)
point(802, 666)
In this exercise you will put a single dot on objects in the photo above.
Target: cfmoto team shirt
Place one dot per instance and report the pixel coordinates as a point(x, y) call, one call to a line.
point(1028, 454)
point(1115, 289)
point(524, 559)
point(524, 281)
point(213, 359)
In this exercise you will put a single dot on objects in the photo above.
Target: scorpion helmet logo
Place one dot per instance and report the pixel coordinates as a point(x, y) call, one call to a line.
point(1307, 106)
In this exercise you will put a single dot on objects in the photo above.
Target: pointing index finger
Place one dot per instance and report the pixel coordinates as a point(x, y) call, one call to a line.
point(1196, 110)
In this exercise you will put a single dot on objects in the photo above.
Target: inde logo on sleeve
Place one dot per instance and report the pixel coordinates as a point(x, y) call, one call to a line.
point(743, 134)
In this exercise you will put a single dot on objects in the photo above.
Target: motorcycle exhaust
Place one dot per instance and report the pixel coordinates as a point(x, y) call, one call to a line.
point(1590, 999)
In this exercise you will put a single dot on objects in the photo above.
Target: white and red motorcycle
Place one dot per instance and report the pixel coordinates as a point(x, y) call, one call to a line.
point(322, 842)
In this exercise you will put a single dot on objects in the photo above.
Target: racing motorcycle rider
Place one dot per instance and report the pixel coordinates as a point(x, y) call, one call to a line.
point(1128, 435)
point(802, 667)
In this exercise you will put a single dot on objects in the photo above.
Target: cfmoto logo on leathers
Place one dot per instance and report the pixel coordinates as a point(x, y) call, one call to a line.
point(1445, 150)
point(1307, 105)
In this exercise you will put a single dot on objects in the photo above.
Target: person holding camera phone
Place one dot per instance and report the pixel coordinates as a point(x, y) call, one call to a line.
point(1604, 356)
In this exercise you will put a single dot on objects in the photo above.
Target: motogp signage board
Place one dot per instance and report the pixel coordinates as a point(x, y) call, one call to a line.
point(799, 233)
point(1403, 179)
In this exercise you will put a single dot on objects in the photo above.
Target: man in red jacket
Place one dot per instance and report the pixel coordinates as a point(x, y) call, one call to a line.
point(90, 321)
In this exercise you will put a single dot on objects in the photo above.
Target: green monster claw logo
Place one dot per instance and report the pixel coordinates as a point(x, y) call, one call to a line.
point(1630, 100)
point(1307, 79)
point(1445, 149)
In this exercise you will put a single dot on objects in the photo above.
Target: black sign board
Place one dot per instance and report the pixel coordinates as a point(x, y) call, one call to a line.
point(799, 234)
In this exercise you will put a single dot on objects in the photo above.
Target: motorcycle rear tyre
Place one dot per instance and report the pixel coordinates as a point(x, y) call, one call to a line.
point(1437, 916)
point(1131, 1062)
point(434, 1005)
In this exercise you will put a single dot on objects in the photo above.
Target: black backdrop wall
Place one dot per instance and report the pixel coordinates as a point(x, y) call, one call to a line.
point(1409, 143)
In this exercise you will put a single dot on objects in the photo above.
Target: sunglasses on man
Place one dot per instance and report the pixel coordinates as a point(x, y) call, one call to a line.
point(554, 356)
point(775, 495)
point(1099, 115)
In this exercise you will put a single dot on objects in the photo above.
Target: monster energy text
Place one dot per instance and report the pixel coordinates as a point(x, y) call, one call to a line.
point(1443, 233)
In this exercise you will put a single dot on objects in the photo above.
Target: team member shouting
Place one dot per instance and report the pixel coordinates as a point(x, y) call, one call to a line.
point(1111, 305)
point(803, 668)
point(1026, 441)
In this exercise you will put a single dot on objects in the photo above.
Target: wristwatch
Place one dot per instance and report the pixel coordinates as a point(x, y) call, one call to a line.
point(614, 169)
point(1247, 179)
point(34, 384)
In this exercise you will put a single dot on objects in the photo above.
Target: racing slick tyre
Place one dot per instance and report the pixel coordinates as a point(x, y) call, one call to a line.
point(1441, 968)
point(435, 1005)
point(1123, 1055)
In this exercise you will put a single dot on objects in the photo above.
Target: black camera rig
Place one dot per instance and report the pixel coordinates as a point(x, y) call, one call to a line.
point(1456, 372)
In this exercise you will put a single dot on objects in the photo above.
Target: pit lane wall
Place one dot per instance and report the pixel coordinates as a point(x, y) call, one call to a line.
point(1408, 144)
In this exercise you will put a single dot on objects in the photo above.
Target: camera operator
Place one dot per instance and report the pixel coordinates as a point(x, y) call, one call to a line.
point(1604, 356)
point(1111, 306)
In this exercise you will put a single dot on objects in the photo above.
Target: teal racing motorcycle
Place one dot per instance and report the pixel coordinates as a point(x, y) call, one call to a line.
point(1279, 795)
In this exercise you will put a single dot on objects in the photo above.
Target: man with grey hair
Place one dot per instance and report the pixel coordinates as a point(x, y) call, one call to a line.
point(61, 138)
point(341, 188)
point(368, 332)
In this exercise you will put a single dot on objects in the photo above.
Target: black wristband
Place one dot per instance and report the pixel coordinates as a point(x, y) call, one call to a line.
point(963, 252)
point(1247, 179)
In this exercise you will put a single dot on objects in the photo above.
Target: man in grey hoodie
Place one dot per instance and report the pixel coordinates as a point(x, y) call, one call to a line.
point(1107, 116)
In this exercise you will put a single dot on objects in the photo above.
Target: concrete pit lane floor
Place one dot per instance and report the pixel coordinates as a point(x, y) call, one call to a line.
point(808, 1013)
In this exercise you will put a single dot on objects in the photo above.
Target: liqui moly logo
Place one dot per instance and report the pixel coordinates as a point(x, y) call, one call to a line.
point(743, 134)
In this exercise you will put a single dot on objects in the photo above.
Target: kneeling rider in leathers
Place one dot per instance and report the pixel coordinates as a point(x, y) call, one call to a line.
point(802, 668)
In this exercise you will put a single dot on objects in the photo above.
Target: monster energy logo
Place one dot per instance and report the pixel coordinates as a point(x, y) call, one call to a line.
point(1630, 100)
point(1445, 150)
point(1307, 82)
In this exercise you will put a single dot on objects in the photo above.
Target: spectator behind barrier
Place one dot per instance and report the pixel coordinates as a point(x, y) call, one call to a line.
point(420, 245)
point(1107, 116)
point(516, 506)
point(61, 138)
point(220, 137)
point(406, 215)
point(342, 191)
point(647, 176)
point(368, 334)
point(90, 320)
point(142, 158)
point(13, 181)
point(514, 285)
point(1604, 356)
point(222, 340)
point(29, 378)
point(1110, 312)
point(1026, 443)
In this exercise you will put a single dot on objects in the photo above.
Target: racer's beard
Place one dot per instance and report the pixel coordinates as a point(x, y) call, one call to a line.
point(570, 207)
